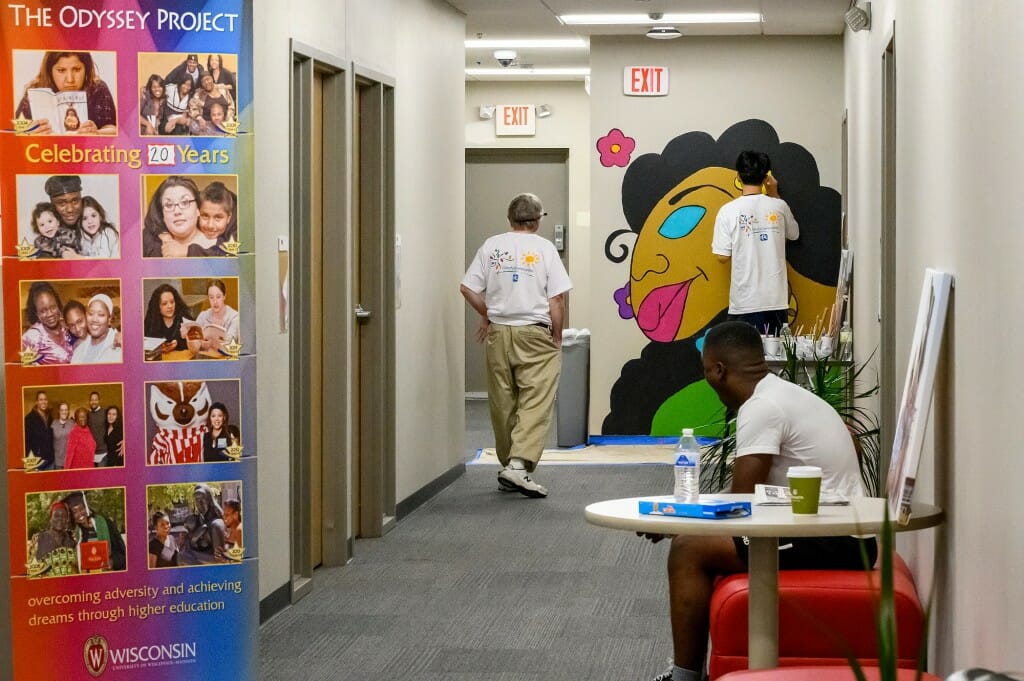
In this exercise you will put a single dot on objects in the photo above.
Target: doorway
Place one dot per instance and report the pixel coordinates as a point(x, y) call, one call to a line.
point(341, 295)
point(320, 527)
point(373, 281)
point(888, 395)
point(493, 177)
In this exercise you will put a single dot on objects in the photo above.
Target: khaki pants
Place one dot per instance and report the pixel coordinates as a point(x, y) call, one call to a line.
point(522, 374)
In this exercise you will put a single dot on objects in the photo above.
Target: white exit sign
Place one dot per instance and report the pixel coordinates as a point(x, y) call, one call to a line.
point(645, 81)
point(515, 119)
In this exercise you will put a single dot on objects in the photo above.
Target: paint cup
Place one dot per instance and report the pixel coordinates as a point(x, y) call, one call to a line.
point(805, 347)
point(771, 346)
point(804, 489)
point(824, 348)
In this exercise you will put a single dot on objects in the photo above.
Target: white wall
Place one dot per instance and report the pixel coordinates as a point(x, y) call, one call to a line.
point(430, 218)
point(795, 84)
point(958, 144)
point(429, 197)
point(568, 127)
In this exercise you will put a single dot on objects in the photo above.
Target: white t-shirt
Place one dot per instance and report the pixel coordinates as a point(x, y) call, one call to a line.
point(517, 272)
point(800, 429)
point(87, 352)
point(753, 231)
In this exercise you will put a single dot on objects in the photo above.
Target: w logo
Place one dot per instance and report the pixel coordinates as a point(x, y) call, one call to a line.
point(96, 652)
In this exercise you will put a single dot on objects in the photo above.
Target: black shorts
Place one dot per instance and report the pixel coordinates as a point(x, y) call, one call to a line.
point(819, 553)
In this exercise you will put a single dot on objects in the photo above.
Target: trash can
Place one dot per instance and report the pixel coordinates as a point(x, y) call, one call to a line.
point(572, 403)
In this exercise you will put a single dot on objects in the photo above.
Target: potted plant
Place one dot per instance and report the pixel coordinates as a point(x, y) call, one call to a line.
point(842, 385)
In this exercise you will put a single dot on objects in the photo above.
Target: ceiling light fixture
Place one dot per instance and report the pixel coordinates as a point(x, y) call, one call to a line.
point(859, 19)
point(664, 33)
point(527, 43)
point(676, 18)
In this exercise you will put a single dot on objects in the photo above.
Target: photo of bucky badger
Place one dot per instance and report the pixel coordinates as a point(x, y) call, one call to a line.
point(179, 409)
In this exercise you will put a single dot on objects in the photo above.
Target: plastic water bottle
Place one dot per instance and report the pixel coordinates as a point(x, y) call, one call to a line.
point(785, 335)
point(687, 469)
point(846, 342)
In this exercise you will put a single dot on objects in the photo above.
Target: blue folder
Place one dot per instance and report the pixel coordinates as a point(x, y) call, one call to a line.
point(707, 508)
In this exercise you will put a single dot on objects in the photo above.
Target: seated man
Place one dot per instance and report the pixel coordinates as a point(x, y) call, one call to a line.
point(778, 425)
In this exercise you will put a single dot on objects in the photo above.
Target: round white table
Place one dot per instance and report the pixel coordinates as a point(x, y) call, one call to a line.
point(763, 526)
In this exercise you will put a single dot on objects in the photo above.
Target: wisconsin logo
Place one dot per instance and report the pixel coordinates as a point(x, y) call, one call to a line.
point(96, 653)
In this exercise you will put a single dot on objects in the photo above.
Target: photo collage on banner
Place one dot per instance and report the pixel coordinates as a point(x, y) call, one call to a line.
point(126, 229)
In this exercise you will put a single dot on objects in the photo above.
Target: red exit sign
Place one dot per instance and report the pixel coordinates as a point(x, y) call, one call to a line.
point(515, 119)
point(645, 81)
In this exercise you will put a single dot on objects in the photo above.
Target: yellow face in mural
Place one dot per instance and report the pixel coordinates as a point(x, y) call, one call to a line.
point(676, 284)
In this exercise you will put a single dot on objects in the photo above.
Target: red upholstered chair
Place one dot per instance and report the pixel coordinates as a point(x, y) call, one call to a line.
point(823, 616)
point(817, 674)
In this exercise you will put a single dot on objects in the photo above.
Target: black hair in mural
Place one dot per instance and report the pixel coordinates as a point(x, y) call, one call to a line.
point(663, 369)
point(816, 208)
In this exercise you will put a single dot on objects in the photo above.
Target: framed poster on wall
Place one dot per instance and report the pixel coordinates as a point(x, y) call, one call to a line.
point(917, 393)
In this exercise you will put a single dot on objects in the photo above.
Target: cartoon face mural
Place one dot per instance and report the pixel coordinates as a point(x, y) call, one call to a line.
point(676, 284)
point(677, 288)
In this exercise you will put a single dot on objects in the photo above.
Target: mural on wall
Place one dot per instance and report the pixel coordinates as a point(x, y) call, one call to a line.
point(615, 149)
point(676, 288)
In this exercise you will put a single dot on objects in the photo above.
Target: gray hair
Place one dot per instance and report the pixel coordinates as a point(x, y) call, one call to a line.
point(525, 208)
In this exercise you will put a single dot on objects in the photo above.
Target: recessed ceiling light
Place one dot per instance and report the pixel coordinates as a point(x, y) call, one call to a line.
point(677, 18)
point(664, 33)
point(526, 43)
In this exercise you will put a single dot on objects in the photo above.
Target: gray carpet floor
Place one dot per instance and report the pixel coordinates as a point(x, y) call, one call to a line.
point(488, 586)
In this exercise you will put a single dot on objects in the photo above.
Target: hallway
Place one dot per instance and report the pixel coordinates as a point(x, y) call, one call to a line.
point(490, 586)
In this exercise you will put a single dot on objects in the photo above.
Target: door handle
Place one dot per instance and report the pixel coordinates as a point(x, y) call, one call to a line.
point(361, 313)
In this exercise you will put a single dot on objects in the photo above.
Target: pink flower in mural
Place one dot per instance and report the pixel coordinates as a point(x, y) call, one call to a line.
point(615, 148)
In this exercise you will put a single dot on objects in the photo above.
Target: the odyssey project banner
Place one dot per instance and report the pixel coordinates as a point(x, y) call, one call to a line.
point(126, 231)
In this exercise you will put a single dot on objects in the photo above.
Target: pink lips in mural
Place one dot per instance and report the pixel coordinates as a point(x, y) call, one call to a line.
point(661, 312)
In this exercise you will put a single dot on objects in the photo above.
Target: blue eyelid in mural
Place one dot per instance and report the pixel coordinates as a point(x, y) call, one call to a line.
point(682, 221)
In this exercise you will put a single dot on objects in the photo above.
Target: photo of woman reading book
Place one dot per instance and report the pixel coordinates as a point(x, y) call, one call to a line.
point(67, 96)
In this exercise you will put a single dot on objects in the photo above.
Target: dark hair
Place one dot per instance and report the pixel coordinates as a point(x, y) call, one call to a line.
point(41, 208)
point(753, 166)
point(45, 76)
point(153, 323)
point(734, 339)
point(217, 192)
point(219, 284)
point(73, 305)
point(149, 84)
point(70, 112)
point(234, 505)
point(91, 202)
point(153, 224)
point(37, 289)
point(158, 516)
point(115, 408)
point(186, 79)
point(219, 57)
point(220, 405)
